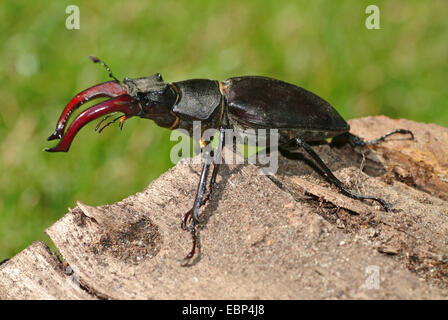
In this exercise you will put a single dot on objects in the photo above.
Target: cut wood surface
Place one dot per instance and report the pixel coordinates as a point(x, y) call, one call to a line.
point(286, 236)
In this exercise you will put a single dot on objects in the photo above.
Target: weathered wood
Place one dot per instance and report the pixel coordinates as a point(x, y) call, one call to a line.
point(36, 273)
point(416, 231)
point(288, 236)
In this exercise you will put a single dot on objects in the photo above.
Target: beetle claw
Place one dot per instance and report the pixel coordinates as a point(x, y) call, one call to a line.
point(119, 104)
point(110, 89)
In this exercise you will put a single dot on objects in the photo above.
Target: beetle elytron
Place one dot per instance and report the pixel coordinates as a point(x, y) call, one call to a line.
point(243, 102)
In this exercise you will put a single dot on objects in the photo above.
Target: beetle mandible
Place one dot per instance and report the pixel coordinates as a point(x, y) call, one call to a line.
point(248, 101)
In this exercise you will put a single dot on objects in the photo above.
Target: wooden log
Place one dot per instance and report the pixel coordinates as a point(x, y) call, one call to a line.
point(36, 273)
point(286, 236)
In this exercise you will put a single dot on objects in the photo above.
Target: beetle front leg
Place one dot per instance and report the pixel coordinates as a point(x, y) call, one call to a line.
point(200, 199)
point(329, 174)
point(193, 214)
point(216, 165)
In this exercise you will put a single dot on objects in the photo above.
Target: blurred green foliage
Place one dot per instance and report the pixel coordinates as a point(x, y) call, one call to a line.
point(400, 71)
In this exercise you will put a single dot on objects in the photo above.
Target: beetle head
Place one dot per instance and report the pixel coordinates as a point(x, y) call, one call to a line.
point(155, 98)
point(146, 97)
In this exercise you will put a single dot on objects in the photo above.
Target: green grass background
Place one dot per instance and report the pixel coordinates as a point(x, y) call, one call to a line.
point(324, 46)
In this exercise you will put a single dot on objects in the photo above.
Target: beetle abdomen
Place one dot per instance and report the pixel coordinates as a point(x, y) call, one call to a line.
point(269, 103)
point(198, 98)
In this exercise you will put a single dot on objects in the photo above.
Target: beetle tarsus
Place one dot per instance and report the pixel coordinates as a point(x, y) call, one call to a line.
point(357, 141)
point(195, 244)
point(185, 220)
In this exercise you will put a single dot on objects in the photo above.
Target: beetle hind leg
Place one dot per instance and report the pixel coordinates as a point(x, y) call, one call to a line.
point(356, 141)
point(329, 174)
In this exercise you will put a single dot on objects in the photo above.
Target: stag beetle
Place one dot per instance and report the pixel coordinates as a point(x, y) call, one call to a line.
point(299, 115)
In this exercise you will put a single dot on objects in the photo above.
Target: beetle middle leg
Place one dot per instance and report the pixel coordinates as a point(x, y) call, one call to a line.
point(297, 142)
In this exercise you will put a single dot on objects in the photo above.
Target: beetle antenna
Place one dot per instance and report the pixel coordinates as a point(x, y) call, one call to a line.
point(96, 60)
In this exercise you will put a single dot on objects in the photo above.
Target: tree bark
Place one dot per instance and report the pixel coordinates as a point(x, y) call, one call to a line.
point(286, 236)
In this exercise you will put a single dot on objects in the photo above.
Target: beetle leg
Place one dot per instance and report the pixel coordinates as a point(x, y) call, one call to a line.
point(356, 141)
point(215, 165)
point(187, 217)
point(109, 123)
point(201, 187)
point(104, 119)
point(193, 213)
point(200, 200)
point(331, 177)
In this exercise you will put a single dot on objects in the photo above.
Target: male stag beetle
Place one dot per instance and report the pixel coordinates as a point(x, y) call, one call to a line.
point(299, 116)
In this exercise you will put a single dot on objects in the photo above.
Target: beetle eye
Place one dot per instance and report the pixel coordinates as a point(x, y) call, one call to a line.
point(145, 101)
